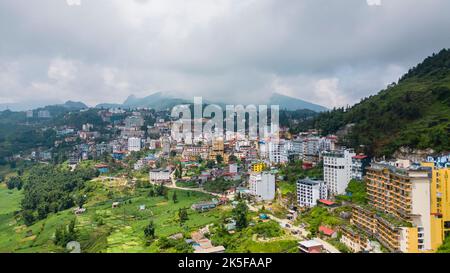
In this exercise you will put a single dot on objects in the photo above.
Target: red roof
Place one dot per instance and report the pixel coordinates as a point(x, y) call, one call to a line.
point(360, 156)
point(326, 202)
point(326, 230)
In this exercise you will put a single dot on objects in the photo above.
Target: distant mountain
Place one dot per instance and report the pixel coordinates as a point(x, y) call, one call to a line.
point(292, 104)
point(158, 101)
point(413, 113)
point(162, 101)
point(74, 105)
point(109, 105)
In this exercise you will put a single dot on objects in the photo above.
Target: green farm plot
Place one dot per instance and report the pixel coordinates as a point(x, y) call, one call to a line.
point(103, 228)
point(9, 200)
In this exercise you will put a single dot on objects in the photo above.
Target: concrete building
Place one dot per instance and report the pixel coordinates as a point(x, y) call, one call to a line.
point(134, 122)
point(337, 170)
point(44, 114)
point(217, 148)
point(165, 145)
point(309, 191)
point(277, 152)
point(134, 144)
point(355, 240)
point(359, 164)
point(159, 176)
point(310, 246)
point(262, 185)
point(408, 209)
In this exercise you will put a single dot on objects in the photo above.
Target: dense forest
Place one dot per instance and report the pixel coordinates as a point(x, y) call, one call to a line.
point(49, 189)
point(413, 113)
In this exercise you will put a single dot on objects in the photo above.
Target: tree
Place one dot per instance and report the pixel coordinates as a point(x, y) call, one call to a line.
point(174, 197)
point(232, 158)
point(240, 215)
point(151, 192)
point(210, 164)
point(182, 216)
point(161, 190)
point(71, 227)
point(177, 173)
point(65, 234)
point(28, 217)
point(81, 200)
point(14, 182)
point(219, 159)
point(149, 231)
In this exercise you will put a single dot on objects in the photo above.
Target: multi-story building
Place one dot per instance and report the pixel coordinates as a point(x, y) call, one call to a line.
point(159, 176)
point(277, 152)
point(309, 191)
point(217, 148)
point(165, 145)
point(262, 185)
point(134, 144)
point(409, 209)
point(337, 170)
point(440, 202)
point(359, 164)
point(192, 152)
point(354, 239)
point(258, 166)
point(134, 121)
point(44, 114)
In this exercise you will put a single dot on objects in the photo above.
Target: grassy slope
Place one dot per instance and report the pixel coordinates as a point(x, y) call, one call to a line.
point(9, 200)
point(121, 231)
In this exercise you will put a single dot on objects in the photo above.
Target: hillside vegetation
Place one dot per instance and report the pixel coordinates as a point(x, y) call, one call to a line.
point(413, 113)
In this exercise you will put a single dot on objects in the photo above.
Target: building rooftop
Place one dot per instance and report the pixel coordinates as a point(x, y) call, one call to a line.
point(310, 243)
point(326, 230)
point(308, 181)
point(326, 202)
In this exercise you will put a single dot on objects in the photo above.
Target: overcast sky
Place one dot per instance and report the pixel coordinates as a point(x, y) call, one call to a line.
point(330, 52)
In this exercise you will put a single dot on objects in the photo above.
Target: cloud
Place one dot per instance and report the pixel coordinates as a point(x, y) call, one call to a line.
point(73, 2)
point(329, 52)
point(374, 2)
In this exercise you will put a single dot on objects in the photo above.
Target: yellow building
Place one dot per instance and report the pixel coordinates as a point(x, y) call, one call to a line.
point(258, 167)
point(440, 203)
point(409, 206)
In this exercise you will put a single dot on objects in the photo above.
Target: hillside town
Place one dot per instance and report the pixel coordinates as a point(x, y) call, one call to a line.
point(327, 197)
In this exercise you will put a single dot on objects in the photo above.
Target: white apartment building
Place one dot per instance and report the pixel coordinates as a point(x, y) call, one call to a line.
point(277, 151)
point(134, 144)
point(159, 176)
point(309, 191)
point(262, 185)
point(337, 170)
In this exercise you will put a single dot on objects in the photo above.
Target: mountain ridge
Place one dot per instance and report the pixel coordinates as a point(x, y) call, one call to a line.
point(161, 100)
point(413, 113)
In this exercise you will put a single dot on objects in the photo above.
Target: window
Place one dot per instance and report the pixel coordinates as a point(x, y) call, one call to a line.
point(447, 224)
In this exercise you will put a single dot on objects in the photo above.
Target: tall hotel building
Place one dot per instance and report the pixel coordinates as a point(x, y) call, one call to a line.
point(337, 170)
point(408, 206)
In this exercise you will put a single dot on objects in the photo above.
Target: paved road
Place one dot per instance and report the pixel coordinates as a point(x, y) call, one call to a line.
point(173, 185)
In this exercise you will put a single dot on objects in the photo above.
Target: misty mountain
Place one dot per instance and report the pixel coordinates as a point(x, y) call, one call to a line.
point(162, 100)
point(74, 105)
point(292, 104)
